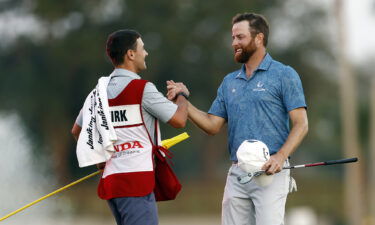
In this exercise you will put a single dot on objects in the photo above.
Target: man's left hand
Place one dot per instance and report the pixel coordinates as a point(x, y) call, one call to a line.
point(274, 164)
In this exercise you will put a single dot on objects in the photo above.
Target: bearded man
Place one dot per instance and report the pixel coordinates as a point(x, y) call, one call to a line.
point(256, 102)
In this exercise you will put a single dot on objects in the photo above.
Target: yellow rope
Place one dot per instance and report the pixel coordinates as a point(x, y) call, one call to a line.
point(166, 143)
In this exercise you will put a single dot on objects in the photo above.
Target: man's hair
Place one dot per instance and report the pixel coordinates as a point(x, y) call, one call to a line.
point(118, 44)
point(257, 24)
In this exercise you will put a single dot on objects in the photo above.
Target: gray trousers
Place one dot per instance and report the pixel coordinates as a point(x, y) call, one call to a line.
point(135, 210)
point(251, 204)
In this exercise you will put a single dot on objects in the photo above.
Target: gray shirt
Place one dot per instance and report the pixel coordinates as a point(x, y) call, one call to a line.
point(154, 104)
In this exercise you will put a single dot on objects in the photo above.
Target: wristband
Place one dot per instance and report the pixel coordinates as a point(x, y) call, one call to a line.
point(183, 94)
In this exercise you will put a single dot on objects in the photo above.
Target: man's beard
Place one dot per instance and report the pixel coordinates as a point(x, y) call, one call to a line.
point(246, 53)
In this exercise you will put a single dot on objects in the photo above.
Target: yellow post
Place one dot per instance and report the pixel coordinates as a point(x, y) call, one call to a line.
point(166, 144)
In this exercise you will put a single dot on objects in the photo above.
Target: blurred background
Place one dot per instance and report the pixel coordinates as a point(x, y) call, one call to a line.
point(52, 53)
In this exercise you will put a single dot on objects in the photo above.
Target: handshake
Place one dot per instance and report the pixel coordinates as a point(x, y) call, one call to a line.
point(175, 89)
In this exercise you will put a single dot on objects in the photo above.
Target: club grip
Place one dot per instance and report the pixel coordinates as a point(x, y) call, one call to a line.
point(340, 161)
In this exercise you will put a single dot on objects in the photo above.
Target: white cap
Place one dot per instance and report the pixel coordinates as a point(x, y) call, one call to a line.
point(251, 155)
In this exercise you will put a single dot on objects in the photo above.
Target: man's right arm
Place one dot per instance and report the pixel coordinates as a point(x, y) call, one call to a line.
point(209, 123)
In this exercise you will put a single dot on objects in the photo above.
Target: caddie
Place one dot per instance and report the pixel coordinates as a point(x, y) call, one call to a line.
point(120, 117)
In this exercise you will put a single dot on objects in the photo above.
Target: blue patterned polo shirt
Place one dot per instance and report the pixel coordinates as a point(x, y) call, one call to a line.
point(257, 108)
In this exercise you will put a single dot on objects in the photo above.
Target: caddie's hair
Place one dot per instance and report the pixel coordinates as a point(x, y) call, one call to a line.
point(118, 44)
point(257, 24)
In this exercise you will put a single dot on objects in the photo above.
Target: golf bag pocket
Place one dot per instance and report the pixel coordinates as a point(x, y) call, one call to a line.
point(167, 185)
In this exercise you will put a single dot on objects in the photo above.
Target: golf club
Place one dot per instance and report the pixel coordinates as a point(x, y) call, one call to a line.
point(243, 179)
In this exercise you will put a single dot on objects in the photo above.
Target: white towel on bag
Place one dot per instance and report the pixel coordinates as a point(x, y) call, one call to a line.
point(95, 142)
